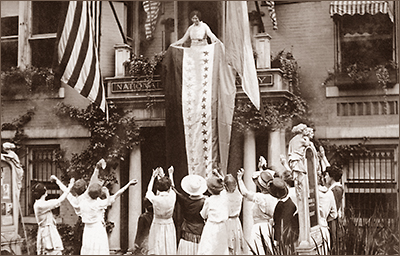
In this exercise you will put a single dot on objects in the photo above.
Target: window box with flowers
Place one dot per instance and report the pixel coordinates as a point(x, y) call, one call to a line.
point(143, 68)
point(18, 83)
point(358, 76)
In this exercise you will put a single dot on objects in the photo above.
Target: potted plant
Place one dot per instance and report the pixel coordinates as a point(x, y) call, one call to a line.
point(142, 67)
point(358, 75)
point(28, 81)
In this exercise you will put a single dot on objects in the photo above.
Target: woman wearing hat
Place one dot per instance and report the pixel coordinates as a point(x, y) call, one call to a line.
point(215, 212)
point(191, 205)
point(286, 222)
point(162, 234)
point(263, 209)
point(48, 239)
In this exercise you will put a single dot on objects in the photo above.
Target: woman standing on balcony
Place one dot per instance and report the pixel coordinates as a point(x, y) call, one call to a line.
point(197, 32)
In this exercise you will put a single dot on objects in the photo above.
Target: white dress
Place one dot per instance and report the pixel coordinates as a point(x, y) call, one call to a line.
point(327, 209)
point(214, 239)
point(237, 244)
point(263, 212)
point(48, 238)
point(162, 234)
point(94, 239)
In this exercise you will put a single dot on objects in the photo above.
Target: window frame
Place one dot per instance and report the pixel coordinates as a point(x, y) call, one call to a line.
point(338, 21)
point(53, 191)
point(378, 187)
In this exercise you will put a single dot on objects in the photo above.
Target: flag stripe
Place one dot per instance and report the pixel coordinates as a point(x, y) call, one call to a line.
point(79, 65)
point(69, 34)
point(81, 58)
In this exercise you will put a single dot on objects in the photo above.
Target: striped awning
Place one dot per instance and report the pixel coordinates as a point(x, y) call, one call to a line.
point(362, 7)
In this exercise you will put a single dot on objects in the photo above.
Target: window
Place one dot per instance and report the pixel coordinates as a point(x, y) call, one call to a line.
point(9, 34)
point(40, 166)
point(371, 182)
point(45, 16)
point(365, 40)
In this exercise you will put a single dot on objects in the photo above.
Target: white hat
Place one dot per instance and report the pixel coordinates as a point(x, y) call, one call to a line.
point(194, 185)
point(8, 145)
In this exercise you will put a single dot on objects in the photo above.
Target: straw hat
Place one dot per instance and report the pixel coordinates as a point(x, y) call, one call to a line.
point(194, 185)
point(278, 188)
point(262, 179)
point(8, 145)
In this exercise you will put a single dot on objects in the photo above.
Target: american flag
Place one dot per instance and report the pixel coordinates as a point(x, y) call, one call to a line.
point(77, 51)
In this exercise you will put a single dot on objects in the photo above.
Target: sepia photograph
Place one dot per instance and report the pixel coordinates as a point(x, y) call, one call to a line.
point(200, 127)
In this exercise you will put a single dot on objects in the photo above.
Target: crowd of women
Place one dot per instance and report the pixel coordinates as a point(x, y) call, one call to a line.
point(210, 207)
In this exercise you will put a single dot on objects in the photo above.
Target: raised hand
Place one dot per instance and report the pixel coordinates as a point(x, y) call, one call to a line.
point(240, 173)
point(133, 182)
point(101, 164)
point(53, 178)
point(170, 170)
point(262, 162)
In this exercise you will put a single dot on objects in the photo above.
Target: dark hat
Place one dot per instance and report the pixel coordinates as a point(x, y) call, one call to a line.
point(278, 188)
point(263, 178)
point(215, 184)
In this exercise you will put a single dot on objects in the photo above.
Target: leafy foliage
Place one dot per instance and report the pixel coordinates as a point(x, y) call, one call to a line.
point(29, 80)
point(376, 235)
point(288, 64)
point(275, 113)
point(110, 140)
point(18, 125)
point(138, 65)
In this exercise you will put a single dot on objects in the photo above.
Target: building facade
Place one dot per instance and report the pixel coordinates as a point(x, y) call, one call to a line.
point(331, 42)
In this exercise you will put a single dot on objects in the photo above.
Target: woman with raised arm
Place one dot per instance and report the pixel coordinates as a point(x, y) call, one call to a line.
point(95, 239)
point(197, 32)
point(162, 234)
point(263, 209)
point(191, 204)
point(48, 239)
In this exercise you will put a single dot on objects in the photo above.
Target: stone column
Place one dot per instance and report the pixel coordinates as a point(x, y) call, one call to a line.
point(135, 193)
point(249, 165)
point(122, 54)
point(274, 149)
point(263, 50)
point(114, 215)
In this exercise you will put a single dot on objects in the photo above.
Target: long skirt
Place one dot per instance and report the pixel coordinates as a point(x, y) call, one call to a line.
point(162, 237)
point(49, 241)
point(236, 243)
point(256, 243)
point(95, 240)
point(188, 244)
point(326, 240)
point(214, 239)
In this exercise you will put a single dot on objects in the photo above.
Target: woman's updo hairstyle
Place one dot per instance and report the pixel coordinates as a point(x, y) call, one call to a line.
point(163, 184)
point(38, 191)
point(193, 13)
point(94, 190)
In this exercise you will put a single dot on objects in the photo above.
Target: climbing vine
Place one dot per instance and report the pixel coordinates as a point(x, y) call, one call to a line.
point(17, 125)
point(111, 140)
